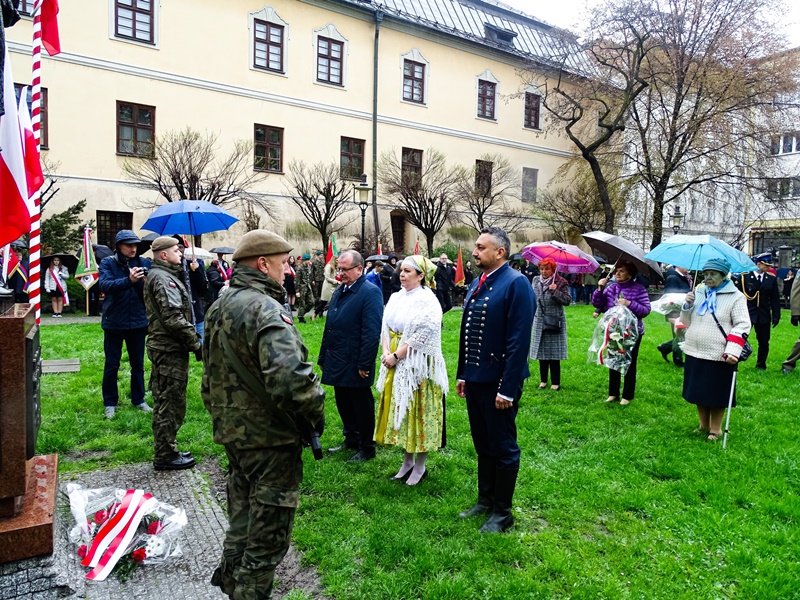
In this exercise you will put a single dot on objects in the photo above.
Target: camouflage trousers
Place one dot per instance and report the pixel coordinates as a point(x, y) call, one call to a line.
point(263, 494)
point(304, 302)
point(169, 377)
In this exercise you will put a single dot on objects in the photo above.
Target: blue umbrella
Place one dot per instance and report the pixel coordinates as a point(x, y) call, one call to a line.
point(692, 251)
point(193, 217)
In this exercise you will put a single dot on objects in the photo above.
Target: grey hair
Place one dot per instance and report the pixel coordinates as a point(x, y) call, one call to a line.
point(356, 258)
point(500, 238)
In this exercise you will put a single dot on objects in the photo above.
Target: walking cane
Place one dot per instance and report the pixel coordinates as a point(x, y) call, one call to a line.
point(730, 405)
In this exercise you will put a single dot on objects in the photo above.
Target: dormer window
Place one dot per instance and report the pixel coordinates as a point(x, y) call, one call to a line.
point(498, 35)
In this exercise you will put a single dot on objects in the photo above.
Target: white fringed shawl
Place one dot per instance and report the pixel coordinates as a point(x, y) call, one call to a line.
point(416, 315)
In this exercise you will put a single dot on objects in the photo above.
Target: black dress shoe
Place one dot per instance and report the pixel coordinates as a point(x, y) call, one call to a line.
point(185, 454)
point(424, 475)
point(664, 354)
point(182, 462)
point(498, 523)
point(342, 447)
point(402, 477)
point(361, 456)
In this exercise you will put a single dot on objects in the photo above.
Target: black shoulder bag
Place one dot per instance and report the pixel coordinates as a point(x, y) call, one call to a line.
point(747, 349)
point(550, 323)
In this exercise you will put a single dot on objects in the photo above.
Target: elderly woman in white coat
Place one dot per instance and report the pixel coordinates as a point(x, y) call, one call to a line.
point(55, 284)
point(717, 322)
point(413, 376)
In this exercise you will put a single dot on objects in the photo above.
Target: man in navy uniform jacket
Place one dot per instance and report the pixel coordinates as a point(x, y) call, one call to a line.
point(492, 366)
point(763, 303)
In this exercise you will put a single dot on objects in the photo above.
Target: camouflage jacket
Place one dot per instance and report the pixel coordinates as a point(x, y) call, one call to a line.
point(317, 272)
point(261, 333)
point(303, 278)
point(169, 310)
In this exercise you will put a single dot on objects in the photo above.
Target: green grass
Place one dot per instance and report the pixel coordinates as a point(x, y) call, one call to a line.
point(612, 502)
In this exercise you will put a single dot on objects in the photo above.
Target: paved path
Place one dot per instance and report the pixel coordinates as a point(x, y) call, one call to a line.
point(47, 319)
point(61, 576)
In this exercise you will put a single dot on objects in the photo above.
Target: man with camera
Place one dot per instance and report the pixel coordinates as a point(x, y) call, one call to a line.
point(171, 338)
point(261, 392)
point(124, 319)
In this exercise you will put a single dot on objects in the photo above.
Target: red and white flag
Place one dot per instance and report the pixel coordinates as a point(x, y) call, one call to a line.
point(33, 164)
point(50, 37)
point(15, 218)
point(416, 249)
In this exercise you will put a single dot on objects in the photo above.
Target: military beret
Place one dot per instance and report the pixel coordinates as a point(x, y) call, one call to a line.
point(260, 242)
point(163, 243)
point(318, 253)
point(305, 257)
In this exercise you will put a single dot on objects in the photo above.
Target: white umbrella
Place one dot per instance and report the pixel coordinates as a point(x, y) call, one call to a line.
point(196, 252)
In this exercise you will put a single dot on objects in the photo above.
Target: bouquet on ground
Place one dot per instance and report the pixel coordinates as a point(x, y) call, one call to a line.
point(614, 339)
point(122, 529)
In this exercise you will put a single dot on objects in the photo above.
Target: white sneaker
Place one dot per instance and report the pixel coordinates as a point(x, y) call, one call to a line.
point(110, 412)
point(144, 407)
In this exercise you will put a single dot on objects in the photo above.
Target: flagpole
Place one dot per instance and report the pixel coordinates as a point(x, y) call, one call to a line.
point(35, 239)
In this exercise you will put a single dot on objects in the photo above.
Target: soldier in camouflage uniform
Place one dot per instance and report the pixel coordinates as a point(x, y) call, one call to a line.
point(171, 337)
point(317, 276)
point(257, 384)
point(305, 291)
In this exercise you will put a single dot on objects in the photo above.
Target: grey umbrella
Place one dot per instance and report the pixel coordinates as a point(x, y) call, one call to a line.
point(614, 247)
point(375, 257)
point(223, 250)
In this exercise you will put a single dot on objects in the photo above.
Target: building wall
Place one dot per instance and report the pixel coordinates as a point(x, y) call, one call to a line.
point(198, 74)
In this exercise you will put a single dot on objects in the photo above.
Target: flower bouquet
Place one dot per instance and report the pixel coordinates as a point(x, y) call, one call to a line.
point(670, 303)
point(122, 529)
point(614, 339)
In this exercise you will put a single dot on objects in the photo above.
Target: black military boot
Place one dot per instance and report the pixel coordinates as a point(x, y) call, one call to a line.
point(486, 477)
point(501, 518)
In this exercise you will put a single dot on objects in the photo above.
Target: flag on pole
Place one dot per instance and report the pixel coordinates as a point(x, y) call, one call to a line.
point(86, 272)
point(416, 248)
point(380, 250)
point(459, 269)
point(33, 164)
point(332, 251)
point(15, 218)
point(50, 37)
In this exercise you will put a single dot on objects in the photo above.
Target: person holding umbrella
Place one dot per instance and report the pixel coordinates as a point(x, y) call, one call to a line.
point(717, 322)
point(55, 284)
point(625, 291)
point(549, 336)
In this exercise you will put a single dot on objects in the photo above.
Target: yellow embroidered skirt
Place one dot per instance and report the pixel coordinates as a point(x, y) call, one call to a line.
point(421, 428)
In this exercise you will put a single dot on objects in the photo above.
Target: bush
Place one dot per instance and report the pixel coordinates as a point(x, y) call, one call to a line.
point(450, 248)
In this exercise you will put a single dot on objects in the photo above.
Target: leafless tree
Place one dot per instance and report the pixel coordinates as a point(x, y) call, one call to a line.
point(426, 197)
point(186, 164)
point(51, 179)
point(595, 85)
point(322, 196)
point(486, 193)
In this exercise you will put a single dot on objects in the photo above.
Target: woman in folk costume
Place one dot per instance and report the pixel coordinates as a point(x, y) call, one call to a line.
point(413, 378)
point(55, 283)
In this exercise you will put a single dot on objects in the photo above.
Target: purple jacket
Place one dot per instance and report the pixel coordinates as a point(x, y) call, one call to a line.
point(636, 293)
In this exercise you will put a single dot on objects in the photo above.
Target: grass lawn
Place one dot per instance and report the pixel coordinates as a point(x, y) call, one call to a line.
point(612, 502)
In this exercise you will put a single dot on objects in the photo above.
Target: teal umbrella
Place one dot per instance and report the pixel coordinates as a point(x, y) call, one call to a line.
point(692, 251)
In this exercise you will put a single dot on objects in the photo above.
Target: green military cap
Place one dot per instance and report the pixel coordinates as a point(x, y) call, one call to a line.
point(260, 242)
point(163, 243)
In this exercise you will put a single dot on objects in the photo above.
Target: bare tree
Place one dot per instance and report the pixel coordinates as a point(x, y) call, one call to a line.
point(427, 196)
point(703, 123)
point(486, 192)
point(572, 205)
point(595, 86)
point(322, 196)
point(51, 179)
point(186, 164)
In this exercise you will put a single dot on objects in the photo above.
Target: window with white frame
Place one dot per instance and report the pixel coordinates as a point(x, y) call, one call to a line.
point(530, 181)
point(269, 35)
point(330, 50)
point(785, 144)
point(415, 77)
point(780, 188)
point(533, 111)
point(487, 96)
point(135, 20)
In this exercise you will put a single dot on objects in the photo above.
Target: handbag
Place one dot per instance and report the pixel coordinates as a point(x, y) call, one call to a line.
point(550, 323)
point(747, 349)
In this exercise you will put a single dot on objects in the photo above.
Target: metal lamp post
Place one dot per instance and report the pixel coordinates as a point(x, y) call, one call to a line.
point(677, 219)
point(362, 190)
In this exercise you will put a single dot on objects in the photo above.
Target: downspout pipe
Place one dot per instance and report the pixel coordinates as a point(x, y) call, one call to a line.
point(378, 20)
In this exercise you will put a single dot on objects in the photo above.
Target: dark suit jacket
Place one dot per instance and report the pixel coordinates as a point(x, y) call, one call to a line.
point(496, 331)
point(351, 336)
point(763, 298)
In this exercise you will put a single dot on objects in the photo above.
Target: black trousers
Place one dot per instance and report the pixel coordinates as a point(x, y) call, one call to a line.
point(445, 301)
point(554, 367)
point(494, 431)
point(762, 335)
point(134, 340)
point(356, 407)
point(615, 378)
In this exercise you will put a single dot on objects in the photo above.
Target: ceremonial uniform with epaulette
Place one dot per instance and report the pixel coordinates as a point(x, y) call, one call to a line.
point(257, 386)
point(492, 367)
point(763, 303)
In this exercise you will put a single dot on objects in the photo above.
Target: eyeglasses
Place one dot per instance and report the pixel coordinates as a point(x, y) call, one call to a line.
point(346, 269)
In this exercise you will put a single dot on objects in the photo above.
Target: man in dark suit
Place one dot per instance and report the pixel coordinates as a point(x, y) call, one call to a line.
point(763, 303)
point(445, 280)
point(492, 366)
point(348, 351)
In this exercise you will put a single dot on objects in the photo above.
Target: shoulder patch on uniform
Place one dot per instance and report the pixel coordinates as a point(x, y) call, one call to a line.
point(172, 284)
point(287, 318)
